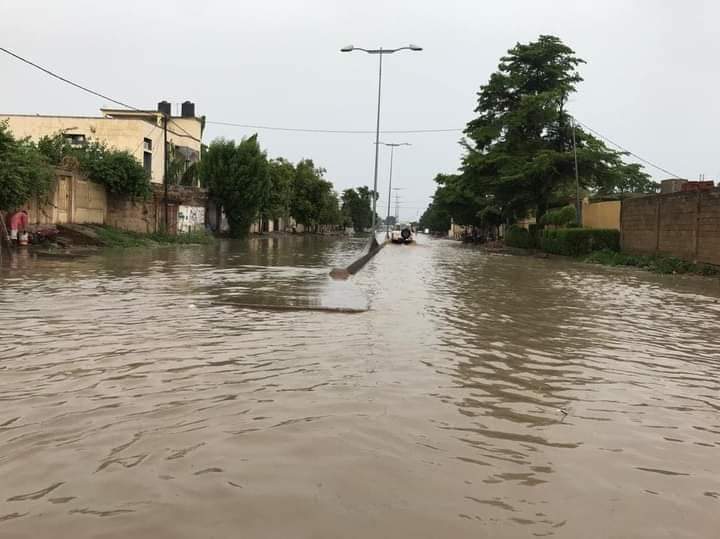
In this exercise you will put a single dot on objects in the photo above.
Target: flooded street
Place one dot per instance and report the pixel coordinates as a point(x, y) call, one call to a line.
point(476, 395)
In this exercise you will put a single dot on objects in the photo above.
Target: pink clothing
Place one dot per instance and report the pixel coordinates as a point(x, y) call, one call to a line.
point(19, 220)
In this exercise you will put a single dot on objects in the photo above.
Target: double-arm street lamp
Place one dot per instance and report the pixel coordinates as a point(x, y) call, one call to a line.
point(392, 146)
point(380, 52)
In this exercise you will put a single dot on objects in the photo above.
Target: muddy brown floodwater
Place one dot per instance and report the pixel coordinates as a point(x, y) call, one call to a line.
point(479, 396)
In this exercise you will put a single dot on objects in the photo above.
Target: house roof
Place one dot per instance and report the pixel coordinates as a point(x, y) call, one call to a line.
point(51, 116)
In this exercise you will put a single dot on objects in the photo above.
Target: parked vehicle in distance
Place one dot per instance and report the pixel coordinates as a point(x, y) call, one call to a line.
point(402, 233)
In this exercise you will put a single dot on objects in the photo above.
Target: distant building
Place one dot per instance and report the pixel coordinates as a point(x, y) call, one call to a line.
point(672, 185)
point(702, 185)
point(678, 185)
point(139, 132)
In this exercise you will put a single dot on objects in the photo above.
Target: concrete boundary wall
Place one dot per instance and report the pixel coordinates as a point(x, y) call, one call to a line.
point(148, 216)
point(686, 225)
point(73, 199)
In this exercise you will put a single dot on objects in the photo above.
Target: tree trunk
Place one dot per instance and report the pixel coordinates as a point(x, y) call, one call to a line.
point(539, 213)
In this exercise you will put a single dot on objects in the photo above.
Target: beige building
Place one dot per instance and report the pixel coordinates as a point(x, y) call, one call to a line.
point(138, 132)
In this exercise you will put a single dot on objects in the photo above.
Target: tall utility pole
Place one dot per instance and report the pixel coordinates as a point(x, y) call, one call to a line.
point(392, 146)
point(397, 203)
point(165, 171)
point(380, 52)
point(578, 207)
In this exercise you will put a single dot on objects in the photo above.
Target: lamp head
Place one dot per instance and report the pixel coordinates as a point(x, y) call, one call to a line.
point(414, 47)
point(347, 48)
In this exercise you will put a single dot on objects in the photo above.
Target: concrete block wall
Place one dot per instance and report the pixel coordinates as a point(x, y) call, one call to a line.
point(149, 216)
point(135, 216)
point(709, 228)
point(638, 220)
point(686, 225)
point(73, 199)
point(677, 225)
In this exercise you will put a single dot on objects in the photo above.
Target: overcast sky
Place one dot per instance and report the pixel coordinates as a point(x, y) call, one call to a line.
point(651, 81)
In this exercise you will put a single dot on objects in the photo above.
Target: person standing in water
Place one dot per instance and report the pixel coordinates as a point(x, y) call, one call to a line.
point(18, 222)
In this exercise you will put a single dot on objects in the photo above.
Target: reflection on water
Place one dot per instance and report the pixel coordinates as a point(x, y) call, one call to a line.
point(480, 396)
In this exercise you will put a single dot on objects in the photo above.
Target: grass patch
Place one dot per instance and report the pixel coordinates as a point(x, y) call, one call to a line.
point(655, 263)
point(112, 237)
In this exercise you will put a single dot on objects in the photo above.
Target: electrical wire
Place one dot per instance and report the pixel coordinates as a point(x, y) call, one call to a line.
point(331, 131)
point(184, 131)
point(93, 92)
point(302, 130)
point(636, 156)
point(75, 84)
point(154, 127)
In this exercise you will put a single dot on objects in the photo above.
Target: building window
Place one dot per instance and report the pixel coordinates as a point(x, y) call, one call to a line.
point(147, 162)
point(147, 144)
point(74, 139)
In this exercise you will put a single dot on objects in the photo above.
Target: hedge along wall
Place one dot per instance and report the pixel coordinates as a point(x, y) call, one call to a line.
point(579, 241)
point(686, 225)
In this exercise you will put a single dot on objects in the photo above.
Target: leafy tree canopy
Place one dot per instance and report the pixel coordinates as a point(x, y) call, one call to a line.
point(119, 171)
point(24, 171)
point(357, 206)
point(282, 177)
point(313, 200)
point(238, 178)
point(518, 149)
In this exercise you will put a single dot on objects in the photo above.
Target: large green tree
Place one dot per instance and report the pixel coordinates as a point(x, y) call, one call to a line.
point(282, 176)
point(435, 218)
point(24, 171)
point(238, 179)
point(357, 206)
point(519, 147)
point(313, 201)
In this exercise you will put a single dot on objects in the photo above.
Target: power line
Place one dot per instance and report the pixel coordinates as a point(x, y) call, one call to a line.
point(331, 131)
point(303, 130)
point(93, 92)
point(76, 85)
point(636, 156)
point(184, 131)
point(154, 127)
point(418, 131)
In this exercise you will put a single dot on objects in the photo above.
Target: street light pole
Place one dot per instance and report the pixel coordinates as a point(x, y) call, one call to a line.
point(380, 52)
point(377, 148)
point(392, 146)
point(578, 208)
point(387, 218)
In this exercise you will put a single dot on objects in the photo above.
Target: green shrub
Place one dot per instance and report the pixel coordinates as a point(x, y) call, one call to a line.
point(654, 263)
point(119, 171)
point(579, 241)
point(24, 172)
point(560, 216)
point(113, 237)
point(517, 236)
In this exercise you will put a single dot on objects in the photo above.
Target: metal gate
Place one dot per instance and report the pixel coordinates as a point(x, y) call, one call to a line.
point(62, 199)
